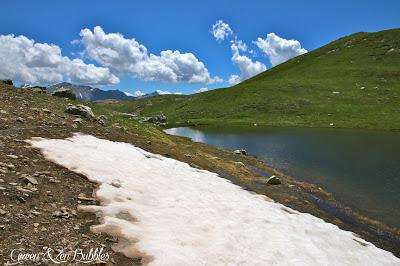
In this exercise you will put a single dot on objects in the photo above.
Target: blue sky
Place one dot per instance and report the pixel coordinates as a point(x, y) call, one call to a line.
point(185, 26)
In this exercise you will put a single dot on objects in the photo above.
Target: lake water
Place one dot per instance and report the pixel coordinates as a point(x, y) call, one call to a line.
point(361, 168)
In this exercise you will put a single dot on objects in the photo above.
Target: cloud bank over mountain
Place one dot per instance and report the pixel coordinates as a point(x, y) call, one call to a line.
point(29, 61)
point(128, 56)
point(277, 49)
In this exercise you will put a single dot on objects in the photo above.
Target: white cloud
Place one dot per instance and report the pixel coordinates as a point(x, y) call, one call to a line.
point(220, 30)
point(127, 56)
point(25, 60)
point(161, 92)
point(201, 90)
point(138, 93)
point(279, 49)
point(248, 68)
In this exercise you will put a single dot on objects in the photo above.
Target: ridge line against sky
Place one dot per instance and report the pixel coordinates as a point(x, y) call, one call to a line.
point(176, 49)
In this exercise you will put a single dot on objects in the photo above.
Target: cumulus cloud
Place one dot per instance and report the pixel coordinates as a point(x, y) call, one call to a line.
point(161, 92)
point(127, 56)
point(248, 67)
point(25, 60)
point(221, 30)
point(138, 93)
point(279, 49)
point(201, 90)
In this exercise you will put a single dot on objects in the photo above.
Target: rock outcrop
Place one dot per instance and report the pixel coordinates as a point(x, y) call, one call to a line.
point(65, 93)
point(80, 110)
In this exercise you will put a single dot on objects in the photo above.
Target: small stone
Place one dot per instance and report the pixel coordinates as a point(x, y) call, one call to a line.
point(2, 226)
point(12, 156)
point(78, 120)
point(240, 152)
point(31, 179)
point(116, 183)
point(46, 110)
point(2, 188)
point(274, 180)
point(9, 165)
point(239, 163)
point(82, 196)
point(2, 212)
point(34, 212)
point(21, 199)
point(36, 224)
point(20, 119)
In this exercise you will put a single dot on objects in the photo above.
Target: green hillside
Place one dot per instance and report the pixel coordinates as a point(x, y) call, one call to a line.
point(351, 82)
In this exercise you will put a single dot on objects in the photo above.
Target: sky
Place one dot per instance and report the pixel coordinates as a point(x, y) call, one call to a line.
point(173, 46)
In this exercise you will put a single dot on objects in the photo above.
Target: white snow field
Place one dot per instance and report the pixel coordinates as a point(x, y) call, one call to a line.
point(186, 216)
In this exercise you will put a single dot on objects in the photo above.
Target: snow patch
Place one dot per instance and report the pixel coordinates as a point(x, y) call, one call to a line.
point(178, 215)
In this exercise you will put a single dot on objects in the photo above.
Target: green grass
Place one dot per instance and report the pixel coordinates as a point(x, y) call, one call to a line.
point(364, 68)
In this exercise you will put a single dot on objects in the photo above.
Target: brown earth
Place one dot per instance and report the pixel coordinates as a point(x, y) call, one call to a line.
point(39, 199)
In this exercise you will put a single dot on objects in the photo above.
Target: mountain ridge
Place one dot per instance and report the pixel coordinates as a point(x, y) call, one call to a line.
point(353, 82)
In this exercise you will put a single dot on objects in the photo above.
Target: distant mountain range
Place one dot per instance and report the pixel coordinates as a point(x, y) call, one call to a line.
point(90, 94)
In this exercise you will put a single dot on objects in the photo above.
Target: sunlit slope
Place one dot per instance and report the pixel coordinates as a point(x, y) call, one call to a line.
point(351, 82)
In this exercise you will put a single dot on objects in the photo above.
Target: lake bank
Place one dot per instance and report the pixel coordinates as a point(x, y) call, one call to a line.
point(359, 167)
point(341, 211)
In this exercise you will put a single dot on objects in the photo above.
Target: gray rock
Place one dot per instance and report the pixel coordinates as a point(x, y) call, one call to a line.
point(64, 93)
point(31, 179)
point(7, 81)
point(160, 120)
point(20, 119)
point(241, 152)
point(273, 180)
point(80, 110)
point(7, 165)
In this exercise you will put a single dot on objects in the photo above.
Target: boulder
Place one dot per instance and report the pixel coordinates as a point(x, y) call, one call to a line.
point(273, 180)
point(64, 93)
point(7, 81)
point(241, 152)
point(36, 89)
point(80, 110)
point(158, 119)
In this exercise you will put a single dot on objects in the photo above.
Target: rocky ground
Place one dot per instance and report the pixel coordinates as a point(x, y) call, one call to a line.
point(39, 199)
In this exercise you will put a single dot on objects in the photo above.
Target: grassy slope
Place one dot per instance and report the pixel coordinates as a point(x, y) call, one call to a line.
point(364, 68)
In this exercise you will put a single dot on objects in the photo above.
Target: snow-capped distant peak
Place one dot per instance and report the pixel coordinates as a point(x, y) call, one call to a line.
point(128, 94)
point(26, 85)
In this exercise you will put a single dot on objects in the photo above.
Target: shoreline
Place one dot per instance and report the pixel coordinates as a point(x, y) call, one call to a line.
point(314, 200)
